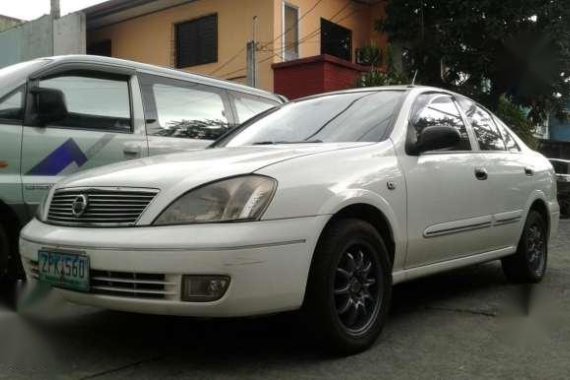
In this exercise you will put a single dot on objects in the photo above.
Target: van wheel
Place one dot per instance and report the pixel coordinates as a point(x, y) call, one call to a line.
point(350, 286)
point(528, 264)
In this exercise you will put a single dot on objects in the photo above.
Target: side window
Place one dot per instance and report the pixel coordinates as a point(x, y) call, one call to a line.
point(12, 106)
point(510, 142)
point(183, 109)
point(438, 109)
point(486, 131)
point(94, 103)
point(248, 106)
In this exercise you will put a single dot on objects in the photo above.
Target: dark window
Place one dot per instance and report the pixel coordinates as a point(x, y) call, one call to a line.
point(336, 40)
point(99, 103)
point(438, 110)
point(248, 106)
point(197, 42)
point(510, 142)
point(184, 110)
point(486, 131)
point(12, 106)
point(351, 117)
point(291, 32)
point(103, 48)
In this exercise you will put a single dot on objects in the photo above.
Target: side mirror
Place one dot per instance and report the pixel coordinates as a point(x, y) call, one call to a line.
point(437, 137)
point(49, 105)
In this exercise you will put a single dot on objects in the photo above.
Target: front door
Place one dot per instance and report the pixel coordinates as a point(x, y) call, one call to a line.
point(99, 129)
point(448, 196)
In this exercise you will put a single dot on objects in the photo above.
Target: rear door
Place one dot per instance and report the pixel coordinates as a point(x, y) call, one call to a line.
point(104, 124)
point(183, 115)
point(508, 177)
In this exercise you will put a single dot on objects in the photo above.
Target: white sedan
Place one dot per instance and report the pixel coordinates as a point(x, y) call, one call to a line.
point(321, 205)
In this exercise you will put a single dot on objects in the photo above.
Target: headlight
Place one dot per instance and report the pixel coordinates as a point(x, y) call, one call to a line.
point(235, 199)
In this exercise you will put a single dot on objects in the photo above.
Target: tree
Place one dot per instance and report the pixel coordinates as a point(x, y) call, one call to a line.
point(488, 49)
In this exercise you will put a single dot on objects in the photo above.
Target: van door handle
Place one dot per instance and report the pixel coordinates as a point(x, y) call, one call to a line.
point(131, 150)
point(528, 171)
point(481, 174)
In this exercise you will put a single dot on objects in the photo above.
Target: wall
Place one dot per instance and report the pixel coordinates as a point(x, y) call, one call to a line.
point(69, 35)
point(314, 75)
point(43, 37)
point(150, 38)
point(8, 22)
point(27, 41)
point(357, 17)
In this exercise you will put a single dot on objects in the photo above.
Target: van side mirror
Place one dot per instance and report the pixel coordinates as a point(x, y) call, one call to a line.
point(49, 105)
point(437, 137)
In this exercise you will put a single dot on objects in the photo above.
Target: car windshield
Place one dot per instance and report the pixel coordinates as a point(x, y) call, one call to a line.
point(349, 117)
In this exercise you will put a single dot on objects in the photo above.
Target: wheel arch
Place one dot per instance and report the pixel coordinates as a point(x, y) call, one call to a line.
point(541, 207)
point(368, 213)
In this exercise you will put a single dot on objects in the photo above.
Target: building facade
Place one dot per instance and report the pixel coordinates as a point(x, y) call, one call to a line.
point(302, 46)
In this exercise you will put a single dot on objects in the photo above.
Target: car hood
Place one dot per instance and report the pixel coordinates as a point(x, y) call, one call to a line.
point(191, 169)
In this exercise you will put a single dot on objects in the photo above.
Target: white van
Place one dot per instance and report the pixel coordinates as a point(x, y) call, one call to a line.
point(63, 114)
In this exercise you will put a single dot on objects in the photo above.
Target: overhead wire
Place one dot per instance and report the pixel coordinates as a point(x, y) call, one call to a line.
point(277, 52)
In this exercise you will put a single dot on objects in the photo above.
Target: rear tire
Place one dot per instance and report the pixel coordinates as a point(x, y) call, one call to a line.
point(528, 264)
point(349, 288)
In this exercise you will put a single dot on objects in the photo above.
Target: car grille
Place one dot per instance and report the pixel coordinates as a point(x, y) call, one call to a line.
point(124, 284)
point(103, 207)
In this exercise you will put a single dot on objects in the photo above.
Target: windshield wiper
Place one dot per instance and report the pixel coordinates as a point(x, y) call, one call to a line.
point(287, 142)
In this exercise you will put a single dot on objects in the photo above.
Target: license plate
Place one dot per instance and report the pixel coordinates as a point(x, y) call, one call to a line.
point(64, 270)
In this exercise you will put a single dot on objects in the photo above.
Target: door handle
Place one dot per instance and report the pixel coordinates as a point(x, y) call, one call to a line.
point(528, 171)
point(131, 150)
point(481, 174)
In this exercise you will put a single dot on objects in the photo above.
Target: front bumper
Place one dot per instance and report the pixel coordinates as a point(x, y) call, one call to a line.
point(268, 263)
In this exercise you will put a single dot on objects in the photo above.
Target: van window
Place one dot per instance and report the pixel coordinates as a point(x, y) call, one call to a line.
point(248, 106)
point(94, 103)
point(11, 106)
point(183, 109)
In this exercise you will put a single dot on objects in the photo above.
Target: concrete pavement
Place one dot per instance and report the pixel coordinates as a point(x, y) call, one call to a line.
point(465, 324)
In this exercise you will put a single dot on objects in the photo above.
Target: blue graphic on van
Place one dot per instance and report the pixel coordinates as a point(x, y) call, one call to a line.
point(68, 153)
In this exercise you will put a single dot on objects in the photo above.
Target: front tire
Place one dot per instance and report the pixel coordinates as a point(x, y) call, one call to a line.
point(528, 264)
point(350, 286)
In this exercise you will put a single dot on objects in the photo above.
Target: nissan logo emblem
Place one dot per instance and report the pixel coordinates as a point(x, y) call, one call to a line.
point(79, 205)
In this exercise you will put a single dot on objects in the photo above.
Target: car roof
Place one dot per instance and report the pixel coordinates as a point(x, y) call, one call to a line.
point(163, 71)
point(406, 88)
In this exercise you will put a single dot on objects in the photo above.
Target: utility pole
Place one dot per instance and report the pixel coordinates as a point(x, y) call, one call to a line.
point(252, 57)
point(55, 9)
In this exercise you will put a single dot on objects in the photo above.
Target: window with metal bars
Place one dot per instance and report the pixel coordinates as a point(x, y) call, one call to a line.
point(197, 41)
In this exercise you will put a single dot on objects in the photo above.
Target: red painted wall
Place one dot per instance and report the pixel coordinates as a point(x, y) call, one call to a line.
point(314, 75)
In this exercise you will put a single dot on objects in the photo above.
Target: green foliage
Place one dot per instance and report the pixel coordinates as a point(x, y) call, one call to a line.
point(387, 76)
point(376, 77)
point(370, 55)
point(487, 49)
point(515, 118)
